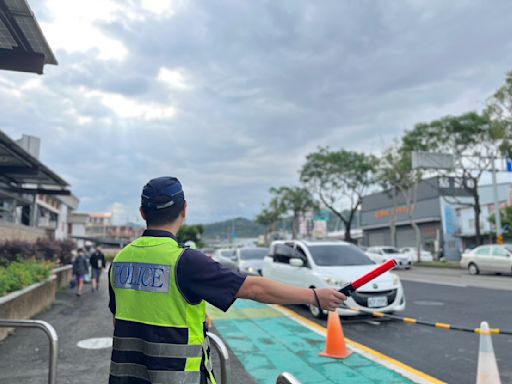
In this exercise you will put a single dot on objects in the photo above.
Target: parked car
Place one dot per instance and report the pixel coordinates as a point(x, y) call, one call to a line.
point(227, 257)
point(318, 264)
point(383, 254)
point(250, 260)
point(413, 253)
point(488, 258)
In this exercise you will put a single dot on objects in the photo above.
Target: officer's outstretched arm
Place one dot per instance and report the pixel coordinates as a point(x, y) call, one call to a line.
point(272, 292)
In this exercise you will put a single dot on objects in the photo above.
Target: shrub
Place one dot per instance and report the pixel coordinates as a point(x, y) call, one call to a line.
point(65, 256)
point(15, 250)
point(42, 249)
point(20, 274)
point(46, 249)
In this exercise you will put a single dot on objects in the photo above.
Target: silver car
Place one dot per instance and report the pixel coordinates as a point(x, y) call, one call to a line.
point(226, 257)
point(250, 260)
point(488, 258)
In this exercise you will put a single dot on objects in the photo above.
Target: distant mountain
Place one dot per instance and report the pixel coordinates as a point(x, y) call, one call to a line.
point(242, 228)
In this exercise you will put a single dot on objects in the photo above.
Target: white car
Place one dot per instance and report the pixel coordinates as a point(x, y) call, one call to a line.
point(413, 252)
point(320, 264)
point(383, 254)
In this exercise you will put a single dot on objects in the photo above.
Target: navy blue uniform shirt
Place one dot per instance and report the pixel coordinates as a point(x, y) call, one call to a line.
point(199, 278)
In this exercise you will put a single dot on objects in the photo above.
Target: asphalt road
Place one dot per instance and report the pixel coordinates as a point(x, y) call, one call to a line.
point(448, 355)
point(456, 277)
point(24, 355)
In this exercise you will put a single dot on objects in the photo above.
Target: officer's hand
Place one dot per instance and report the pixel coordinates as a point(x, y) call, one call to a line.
point(330, 298)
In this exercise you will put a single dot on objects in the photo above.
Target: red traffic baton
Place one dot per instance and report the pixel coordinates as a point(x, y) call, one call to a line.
point(351, 287)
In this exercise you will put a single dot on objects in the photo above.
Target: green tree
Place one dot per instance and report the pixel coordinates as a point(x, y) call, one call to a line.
point(398, 179)
point(472, 139)
point(499, 111)
point(191, 233)
point(296, 201)
point(506, 219)
point(339, 178)
point(269, 217)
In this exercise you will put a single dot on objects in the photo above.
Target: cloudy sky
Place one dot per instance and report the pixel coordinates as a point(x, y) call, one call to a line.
point(231, 95)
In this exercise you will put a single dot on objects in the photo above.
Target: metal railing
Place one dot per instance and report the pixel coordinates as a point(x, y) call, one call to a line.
point(222, 350)
point(52, 337)
point(287, 378)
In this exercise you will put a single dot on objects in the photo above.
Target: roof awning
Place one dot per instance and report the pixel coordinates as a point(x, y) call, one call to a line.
point(23, 46)
point(22, 173)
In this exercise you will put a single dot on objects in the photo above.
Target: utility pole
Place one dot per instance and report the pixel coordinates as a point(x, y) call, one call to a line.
point(497, 215)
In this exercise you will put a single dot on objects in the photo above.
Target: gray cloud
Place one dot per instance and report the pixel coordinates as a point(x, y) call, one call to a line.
point(269, 82)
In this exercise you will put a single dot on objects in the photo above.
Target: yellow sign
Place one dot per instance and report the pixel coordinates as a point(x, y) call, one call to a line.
point(499, 239)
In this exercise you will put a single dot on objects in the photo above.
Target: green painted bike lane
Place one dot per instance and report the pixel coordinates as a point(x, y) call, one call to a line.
point(267, 342)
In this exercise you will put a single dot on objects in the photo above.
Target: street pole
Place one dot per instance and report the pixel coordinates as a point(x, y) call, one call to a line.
point(496, 203)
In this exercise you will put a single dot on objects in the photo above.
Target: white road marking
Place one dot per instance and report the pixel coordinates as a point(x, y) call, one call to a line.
point(96, 343)
point(417, 280)
point(428, 302)
point(372, 322)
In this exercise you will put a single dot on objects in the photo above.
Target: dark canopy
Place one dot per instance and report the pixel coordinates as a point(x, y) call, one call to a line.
point(23, 46)
point(22, 173)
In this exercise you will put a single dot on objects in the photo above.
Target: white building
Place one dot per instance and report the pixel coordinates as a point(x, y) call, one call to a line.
point(53, 212)
point(466, 215)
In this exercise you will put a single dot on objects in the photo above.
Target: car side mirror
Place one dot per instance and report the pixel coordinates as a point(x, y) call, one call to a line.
point(296, 262)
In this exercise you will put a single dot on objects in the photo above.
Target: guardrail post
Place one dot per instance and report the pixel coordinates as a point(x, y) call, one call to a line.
point(48, 329)
point(287, 378)
point(225, 366)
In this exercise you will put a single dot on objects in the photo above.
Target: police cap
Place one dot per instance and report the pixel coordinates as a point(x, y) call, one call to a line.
point(163, 192)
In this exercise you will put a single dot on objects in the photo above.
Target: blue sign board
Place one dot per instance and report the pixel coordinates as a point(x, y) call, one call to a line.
point(450, 220)
point(509, 165)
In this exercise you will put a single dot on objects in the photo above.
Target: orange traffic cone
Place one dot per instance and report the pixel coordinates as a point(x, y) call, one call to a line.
point(335, 346)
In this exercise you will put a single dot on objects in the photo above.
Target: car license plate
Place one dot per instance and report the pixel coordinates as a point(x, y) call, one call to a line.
point(378, 301)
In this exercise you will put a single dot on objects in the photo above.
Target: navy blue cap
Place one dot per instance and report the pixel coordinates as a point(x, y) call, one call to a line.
point(163, 192)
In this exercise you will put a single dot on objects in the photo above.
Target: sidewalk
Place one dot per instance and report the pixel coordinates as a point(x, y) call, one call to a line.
point(24, 355)
point(268, 342)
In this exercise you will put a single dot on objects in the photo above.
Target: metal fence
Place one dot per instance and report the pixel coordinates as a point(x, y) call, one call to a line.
point(218, 344)
point(225, 364)
point(52, 338)
point(287, 378)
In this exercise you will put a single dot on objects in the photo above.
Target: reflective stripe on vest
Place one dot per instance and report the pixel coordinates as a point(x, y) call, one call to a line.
point(158, 336)
point(165, 350)
point(154, 377)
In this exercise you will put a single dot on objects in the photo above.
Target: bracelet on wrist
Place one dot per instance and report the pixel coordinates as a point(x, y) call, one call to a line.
point(316, 298)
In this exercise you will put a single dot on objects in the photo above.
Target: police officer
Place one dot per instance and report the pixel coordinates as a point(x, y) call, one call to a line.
point(158, 291)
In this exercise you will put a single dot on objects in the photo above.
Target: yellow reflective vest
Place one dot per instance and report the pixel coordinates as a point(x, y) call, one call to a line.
point(159, 338)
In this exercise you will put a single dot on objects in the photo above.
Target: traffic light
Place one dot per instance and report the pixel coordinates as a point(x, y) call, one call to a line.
point(499, 239)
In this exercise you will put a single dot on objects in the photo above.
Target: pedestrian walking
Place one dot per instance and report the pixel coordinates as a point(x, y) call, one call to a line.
point(158, 290)
point(98, 265)
point(80, 268)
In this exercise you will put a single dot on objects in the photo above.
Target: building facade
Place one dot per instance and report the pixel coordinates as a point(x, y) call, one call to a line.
point(433, 211)
point(98, 227)
point(443, 211)
point(34, 201)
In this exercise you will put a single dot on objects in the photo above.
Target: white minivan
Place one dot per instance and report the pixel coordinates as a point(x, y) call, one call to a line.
point(332, 264)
